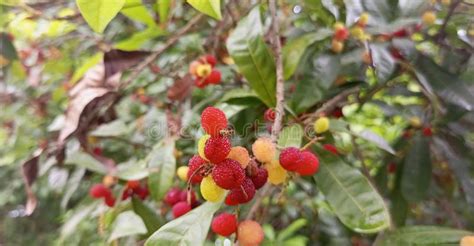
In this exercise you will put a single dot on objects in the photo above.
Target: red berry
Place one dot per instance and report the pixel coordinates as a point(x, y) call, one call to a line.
point(97, 151)
point(194, 164)
point(180, 208)
point(401, 33)
point(289, 158)
point(217, 149)
point(211, 60)
point(173, 196)
point(126, 194)
point(259, 178)
point(183, 196)
point(308, 164)
point(396, 53)
point(427, 131)
point(214, 77)
point(331, 148)
point(391, 167)
point(337, 113)
point(142, 192)
point(99, 190)
point(269, 115)
point(242, 194)
point(133, 184)
point(228, 174)
point(109, 201)
point(224, 224)
point(213, 120)
point(200, 82)
point(341, 34)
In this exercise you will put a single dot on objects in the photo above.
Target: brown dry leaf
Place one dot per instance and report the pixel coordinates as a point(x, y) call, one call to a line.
point(118, 60)
point(30, 173)
point(181, 88)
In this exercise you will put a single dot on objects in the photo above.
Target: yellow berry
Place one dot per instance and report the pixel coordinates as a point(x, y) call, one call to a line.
point(201, 145)
point(337, 46)
point(108, 180)
point(276, 173)
point(363, 19)
point(321, 125)
point(467, 241)
point(193, 67)
point(358, 32)
point(249, 233)
point(338, 26)
point(203, 70)
point(210, 191)
point(415, 122)
point(182, 173)
point(264, 150)
point(240, 154)
point(429, 17)
point(92, 140)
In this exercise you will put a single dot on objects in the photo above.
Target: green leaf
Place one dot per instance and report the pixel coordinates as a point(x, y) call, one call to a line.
point(137, 40)
point(252, 56)
point(148, 215)
point(416, 174)
point(138, 12)
point(423, 235)
point(291, 229)
point(163, 9)
point(296, 241)
point(8, 50)
point(88, 63)
point(291, 136)
point(132, 170)
point(111, 129)
point(295, 48)
point(376, 139)
point(162, 164)
point(353, 199)
point(383, 62)
point(208, 7)
point(269, 232)
point(188, 230)
point(437, 80)
point(84, 160)
point(99, 13)
point(307, 93)
point(240, 96)
point(126, 224)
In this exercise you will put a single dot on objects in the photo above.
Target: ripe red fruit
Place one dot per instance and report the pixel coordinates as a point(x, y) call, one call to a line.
point(224, 224)
point(194, 164)
point(200, 82)
point(331, 148)
point(180, 208)
point(259, 178)
point(183, 196)
point(211, 60)
point(341, 34)
point(173, 196)
point(228, 174)
point(97, 151)
point(391, 167)
point(396, 53)
point(99, 190)
point(133, 184)
point(308, 164)
point(217, 149)
point(142, 192)
point(214, 77)
point(213, 120)
point(289, 158)
point(269, 115)
point(242, 194)
point(401, 33)
point(109, 200)
point(427, 131)
point(126, 194)
point(337, 113)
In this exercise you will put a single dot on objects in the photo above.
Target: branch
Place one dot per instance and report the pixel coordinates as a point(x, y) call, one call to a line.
point(442, 29)
point(170, 42)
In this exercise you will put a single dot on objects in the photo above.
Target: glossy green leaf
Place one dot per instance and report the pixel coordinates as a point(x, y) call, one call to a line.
point(111, 129)
point(163, 9)
point(99, 13)
point(291, 136)
point(422, 235)
point(291, 229)
point(208, 7)
point(307, 93)
point(135, 10)
point(126, 224)
point(416, 174)
point(295, 48)
point(253, 58)
point(162, 164)
point(376, 139)
point(353, 199)
point(240, 96)
point(148, 215)
point(188, 230)
point(84, 160)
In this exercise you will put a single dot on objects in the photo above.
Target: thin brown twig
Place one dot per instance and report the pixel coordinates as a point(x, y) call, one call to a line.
point(151, 58)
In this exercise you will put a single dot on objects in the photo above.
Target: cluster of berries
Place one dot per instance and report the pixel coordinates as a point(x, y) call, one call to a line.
point(180, 202)
point(248, 232)
point(104, 190)
point(417, 124)
point(219, 166)
point(341, 33)
point(204, 72)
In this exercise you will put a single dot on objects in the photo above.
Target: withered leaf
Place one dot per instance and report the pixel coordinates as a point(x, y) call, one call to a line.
point(181, 88)
point(30, 173)
point(118, 60)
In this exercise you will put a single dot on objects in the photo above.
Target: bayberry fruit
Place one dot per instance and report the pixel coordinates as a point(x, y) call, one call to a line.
point(213, 120)
point(183, 196)
point(99, 191)
point(180, 208)
point(269, 115)
point(133, 184)
point(214, 77)
point(239, 154)
point(210, 191)
point(264, 150)
point(173, 196)
point(182, 173)
point(276, 173)
point(331, 148)
point(211, 60)
point(249, 233)
point(195, 169)
point(259, 178)
point(308, 164)
point(427, 131)
point(108, 180)
point(109, 201)
point(289, 158)
point(391, 167)
point(203, 70)
point(201, 144)
point(337, 46)
point(341, 34)
point(242, 194)
point(321, 125)
point(217, 149)
point(363, 19)
point(224, 224)
point(429, 18)
point(228, 174)
point(193, 68)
